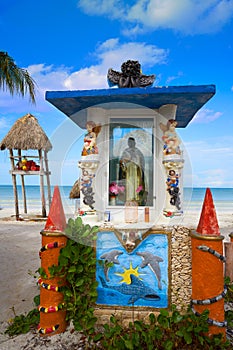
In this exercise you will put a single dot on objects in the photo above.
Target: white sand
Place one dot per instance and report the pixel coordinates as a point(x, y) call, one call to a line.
point(19, 259)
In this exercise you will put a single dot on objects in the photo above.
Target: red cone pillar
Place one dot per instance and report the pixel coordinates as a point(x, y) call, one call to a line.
point(52, 312)
point(207, 267)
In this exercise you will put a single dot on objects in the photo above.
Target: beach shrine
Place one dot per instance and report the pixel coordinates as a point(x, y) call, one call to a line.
point(131, 186)
point(132, 155)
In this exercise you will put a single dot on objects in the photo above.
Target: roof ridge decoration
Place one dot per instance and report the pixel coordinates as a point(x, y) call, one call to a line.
point(130, 76)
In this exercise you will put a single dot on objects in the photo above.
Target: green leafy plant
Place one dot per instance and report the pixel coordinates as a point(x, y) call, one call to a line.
point(229, 285)
point(168, 331)
point(77, 263)
point(229, 299)
point(22, 324)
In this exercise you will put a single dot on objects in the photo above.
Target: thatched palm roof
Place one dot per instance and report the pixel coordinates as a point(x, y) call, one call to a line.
point(26, 134)
point(75, 191)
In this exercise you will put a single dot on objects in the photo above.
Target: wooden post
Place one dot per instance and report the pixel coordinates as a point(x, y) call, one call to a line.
point(23, 186)
point(24, 195)
point(52, 311)
point(207, 268)
point(47, 177)
point(14, 185)
point(42, 184)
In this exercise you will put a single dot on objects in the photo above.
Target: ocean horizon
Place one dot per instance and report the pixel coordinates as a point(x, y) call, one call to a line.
point(193, 197)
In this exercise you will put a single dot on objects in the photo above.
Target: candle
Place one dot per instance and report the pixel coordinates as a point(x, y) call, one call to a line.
point(147, 214)
point(131, 212)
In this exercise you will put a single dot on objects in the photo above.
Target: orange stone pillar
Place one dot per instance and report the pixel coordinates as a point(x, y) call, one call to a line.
point(207, 268)
point(52, 312)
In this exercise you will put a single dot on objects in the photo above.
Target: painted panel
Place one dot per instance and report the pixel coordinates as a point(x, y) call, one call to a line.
point(137, 278)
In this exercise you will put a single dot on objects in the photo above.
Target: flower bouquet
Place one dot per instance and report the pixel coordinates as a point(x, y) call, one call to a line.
point(114, 190)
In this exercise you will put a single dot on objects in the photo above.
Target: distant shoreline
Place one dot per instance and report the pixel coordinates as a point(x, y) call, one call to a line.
point(192, 203)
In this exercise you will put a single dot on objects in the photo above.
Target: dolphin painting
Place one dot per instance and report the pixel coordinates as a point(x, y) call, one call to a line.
point(110, 257)
point(153, 262)
point(137, 289)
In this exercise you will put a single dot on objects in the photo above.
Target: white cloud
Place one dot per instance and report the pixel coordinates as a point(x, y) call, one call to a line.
point(210, 148)
point(187, 16)
point(46, 78)
point(87, 78)
point(49, 77)
point(213, 178)
point(205, 116)
point(4, 123)
point(103, 7)
point(211, 165)
point(147, 55)
point(174, 77)
point(109, 54)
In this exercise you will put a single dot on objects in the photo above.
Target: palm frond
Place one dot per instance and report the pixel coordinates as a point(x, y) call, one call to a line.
point(15, 79)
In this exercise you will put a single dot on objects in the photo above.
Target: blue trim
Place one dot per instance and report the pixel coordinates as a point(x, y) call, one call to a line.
point(189, 99)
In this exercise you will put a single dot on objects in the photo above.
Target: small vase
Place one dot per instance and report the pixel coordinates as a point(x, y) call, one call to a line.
point(112, 200)
point(131, 212)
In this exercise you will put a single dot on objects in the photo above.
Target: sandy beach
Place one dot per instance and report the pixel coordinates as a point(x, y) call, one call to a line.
point(19, 259)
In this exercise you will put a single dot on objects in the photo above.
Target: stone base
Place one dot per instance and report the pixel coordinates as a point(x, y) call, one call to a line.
point(124, 316)
point(89, 218)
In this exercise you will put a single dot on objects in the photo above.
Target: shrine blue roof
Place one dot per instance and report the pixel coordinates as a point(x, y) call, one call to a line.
point(189, 99)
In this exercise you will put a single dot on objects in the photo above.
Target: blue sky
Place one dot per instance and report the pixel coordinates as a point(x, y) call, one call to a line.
point(70, 45)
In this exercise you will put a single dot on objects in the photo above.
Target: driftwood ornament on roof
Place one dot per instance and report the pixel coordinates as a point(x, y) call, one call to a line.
point(130, 76)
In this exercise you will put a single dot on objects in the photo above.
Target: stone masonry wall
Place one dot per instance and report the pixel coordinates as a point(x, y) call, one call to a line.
point(181, 267)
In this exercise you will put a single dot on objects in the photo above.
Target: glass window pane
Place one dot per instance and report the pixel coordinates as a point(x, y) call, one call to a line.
point(131, 161)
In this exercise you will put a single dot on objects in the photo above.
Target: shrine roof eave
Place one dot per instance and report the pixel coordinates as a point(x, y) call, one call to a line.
point(189, 99)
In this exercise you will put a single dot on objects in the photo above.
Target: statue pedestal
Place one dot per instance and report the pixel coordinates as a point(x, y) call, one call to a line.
point(88, 165)
point(174, 198)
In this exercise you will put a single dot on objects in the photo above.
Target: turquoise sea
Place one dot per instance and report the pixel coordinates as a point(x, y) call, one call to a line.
point(32, 195)
point(223, 198)
point(193, 197)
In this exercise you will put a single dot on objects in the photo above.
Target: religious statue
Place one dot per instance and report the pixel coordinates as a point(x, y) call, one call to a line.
point(89, 146)
point(130, 76)
point(170, 137)
point(131, 173)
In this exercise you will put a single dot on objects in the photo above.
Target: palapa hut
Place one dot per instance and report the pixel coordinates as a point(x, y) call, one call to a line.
point(75, 193)
point(27, 134)
point(75, 190)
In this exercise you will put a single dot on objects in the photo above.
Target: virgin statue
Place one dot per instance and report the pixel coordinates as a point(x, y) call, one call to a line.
point(131, 173)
